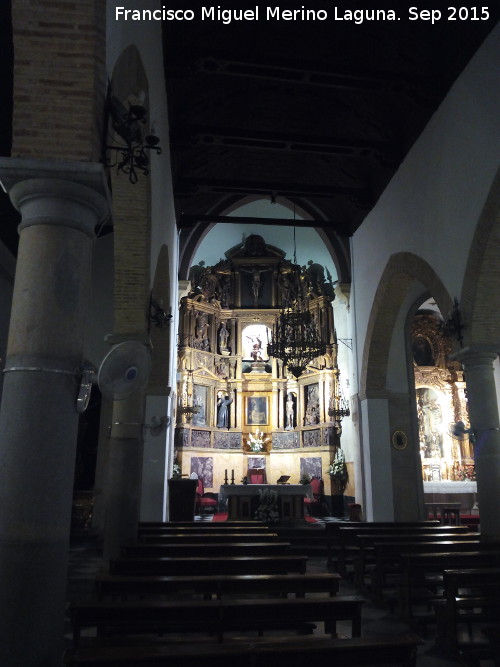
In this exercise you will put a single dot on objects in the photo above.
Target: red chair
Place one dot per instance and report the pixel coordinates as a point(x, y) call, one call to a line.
point(257, 476)
point(204, 502)
point(317, 496)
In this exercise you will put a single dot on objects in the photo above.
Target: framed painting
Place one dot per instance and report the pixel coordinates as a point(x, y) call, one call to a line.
point(257, 411)
point(200, 402)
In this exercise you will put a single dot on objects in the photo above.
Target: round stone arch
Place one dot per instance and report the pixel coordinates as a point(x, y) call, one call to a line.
point(400, 273)
point(481, 286)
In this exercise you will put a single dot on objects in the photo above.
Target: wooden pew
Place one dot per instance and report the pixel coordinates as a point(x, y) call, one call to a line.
point(348, 540)
point(366, 554)
point(416, 566)
point(290, 652)
point(202, 525)
point(333, 528)
point(470, 596)
point(188, 548)
point(219, 586)
point(207, 536)
point(388, 558)
point(193, 565)
point(216, 617)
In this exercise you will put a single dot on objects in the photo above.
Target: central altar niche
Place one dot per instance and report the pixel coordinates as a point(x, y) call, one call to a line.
point(231, 393)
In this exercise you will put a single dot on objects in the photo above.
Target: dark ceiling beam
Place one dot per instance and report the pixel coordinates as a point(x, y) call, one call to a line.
point(191, 136)
point(191, 185)
point(187, 221)
point(298, 75)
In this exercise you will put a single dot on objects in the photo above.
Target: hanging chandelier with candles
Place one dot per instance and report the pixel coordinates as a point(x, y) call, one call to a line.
point(296, 339)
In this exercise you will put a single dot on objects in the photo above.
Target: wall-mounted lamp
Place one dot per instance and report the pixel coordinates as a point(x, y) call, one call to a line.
point(129, 125)
point(157, 315)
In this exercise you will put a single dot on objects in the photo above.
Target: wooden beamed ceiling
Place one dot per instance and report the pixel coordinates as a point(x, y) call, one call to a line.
point(319, 113)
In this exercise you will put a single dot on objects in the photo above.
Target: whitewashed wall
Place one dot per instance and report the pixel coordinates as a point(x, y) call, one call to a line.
point(430, 208)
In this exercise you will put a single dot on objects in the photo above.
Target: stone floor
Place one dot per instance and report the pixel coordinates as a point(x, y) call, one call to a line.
point(86, 560)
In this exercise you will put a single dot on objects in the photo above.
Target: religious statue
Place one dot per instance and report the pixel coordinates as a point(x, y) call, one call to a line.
point(223, 338)
point(256, 351)
point(290, 412)
point(223, 403)
point(256, 282)
point(201, 340)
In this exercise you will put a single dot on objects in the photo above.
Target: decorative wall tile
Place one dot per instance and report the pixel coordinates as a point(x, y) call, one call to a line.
point(200, 438)
point(312, 438)
point(227, 440)
point(290, 440)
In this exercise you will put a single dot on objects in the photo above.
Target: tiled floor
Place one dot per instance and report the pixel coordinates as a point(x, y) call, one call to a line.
point(86, 561)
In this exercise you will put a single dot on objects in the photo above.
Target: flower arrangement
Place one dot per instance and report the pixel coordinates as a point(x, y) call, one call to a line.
point(256, 442)
point(338, 470)
point(176, 468)
point(466, 472)
point(305, 478)
point(267, 511)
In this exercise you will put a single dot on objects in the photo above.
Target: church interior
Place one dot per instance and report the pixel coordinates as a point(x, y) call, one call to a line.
point(249, 267)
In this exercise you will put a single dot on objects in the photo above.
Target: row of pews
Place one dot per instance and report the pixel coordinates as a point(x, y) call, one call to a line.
point(220, 593)
point(440, 577)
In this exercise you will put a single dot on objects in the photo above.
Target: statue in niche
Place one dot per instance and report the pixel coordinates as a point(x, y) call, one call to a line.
point(223, 403)
point(256, 351)
point(289, 412)
point(223, 338)
point(201, 340)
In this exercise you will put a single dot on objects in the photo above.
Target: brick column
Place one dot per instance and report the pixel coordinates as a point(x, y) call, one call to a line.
point(484, 418)
point(60, 203)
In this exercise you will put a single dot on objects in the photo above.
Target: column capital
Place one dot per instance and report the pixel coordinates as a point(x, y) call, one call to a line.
point(39, 188)
point(476, 355)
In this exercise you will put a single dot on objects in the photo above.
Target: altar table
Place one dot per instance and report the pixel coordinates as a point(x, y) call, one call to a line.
point(243, 500)
point(446, 491)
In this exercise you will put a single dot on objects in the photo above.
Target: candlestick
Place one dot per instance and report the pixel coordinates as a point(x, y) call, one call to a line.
point(225, 476)
point(232, 476)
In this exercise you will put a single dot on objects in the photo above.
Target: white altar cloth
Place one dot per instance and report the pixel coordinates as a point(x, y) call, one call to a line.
point(447, 486)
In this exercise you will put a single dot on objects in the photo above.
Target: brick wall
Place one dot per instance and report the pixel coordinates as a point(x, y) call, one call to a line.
point(59, 78)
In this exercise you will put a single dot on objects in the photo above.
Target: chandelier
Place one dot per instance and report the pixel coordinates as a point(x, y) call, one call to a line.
point(339, 409)
point(295, 338)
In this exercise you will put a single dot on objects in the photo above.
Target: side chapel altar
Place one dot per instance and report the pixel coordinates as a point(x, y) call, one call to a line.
point(243, 500)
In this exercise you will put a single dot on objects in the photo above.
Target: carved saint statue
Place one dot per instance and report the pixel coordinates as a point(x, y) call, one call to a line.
point(223, 403)
point(290, 412)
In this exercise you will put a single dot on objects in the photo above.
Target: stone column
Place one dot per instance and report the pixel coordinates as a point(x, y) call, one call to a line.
point(123, 484)
point(483, 414)
point(60, 203)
